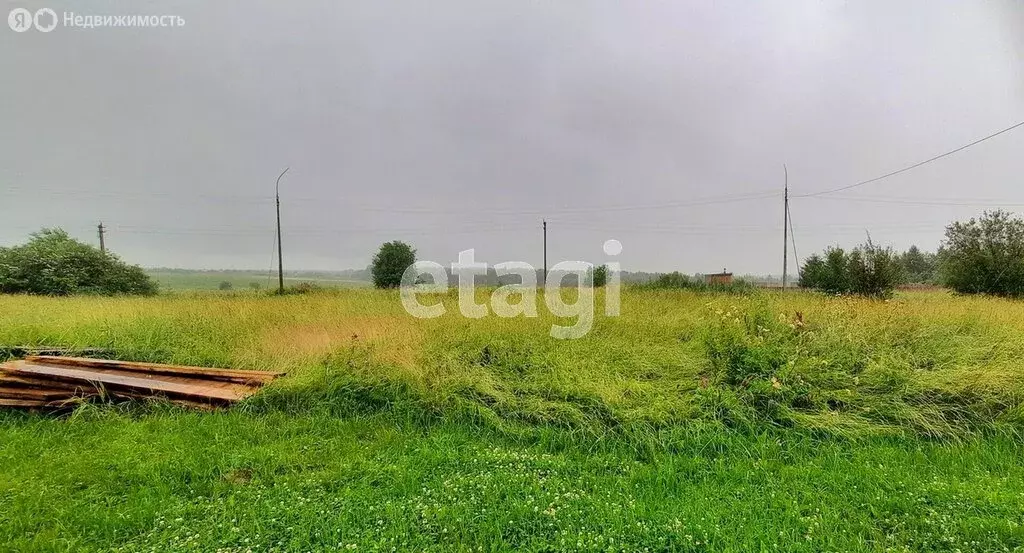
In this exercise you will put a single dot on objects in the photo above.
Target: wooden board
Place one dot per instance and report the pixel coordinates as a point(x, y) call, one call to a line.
point(10, 392)
point(18, 380)
point(176, 386)
point(230, 375)
point(58, 383)
point(22, 403)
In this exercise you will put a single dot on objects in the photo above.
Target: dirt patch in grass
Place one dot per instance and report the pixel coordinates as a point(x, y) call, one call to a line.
point(392, 339)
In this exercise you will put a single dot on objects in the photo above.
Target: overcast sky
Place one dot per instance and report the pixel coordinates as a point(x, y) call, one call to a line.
point(461, 124)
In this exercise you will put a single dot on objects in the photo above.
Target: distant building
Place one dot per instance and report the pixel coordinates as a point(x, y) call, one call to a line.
point(718, 278)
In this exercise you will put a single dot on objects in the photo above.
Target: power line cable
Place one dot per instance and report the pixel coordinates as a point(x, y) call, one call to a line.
point(792, 236)
point(481, 226)
point(969, 202)
point(319, 232)
point(586, 209)
point(718, 231)
point(190, 197)
point(710, 200)
point(752, 228)
point(914, 166)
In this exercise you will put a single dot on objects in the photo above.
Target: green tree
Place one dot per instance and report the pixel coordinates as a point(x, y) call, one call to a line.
point(53, 263)
point(867, 270)
point(390, 264)
point(599, 276)
point(985, 255)
point(874, 271)
point(813, 273)
point(836, 276)
point(224, 285)
point(919, 267)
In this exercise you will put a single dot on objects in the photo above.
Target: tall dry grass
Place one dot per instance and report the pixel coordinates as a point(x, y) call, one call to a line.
point(924, 363)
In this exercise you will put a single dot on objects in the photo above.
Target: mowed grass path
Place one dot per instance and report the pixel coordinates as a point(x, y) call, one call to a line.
point(235, 482)
point(692, 422)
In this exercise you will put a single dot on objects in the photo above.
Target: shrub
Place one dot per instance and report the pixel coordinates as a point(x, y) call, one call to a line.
point(868, 270)
point(599, 276)
point(297, 289)
point(224, 285)
point(390, 264)
point(874, 271)
point(53, 263)
point(674, 279)
point(985, 255)
point(304, 287)
point(679, 281)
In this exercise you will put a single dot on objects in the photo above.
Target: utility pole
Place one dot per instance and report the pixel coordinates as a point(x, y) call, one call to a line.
point(545, 251)
point(280, 262)
point(785, 225)
point(102, 231)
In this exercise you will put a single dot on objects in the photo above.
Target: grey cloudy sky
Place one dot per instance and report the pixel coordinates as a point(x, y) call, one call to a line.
point(459, 124)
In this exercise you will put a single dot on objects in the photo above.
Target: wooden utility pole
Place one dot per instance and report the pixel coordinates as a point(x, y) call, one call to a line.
point(102, 231)
point(280, 262)
point(545, 251)
point(785, 225)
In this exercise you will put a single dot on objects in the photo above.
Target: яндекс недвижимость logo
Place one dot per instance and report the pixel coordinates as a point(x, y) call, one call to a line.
point(45, 20)
point(21, 20)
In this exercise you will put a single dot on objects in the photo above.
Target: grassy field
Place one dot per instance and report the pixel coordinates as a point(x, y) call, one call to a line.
point(764, 422)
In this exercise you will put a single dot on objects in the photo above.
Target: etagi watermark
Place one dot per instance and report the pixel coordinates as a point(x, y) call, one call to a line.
point(45, 20)
point(467, 268)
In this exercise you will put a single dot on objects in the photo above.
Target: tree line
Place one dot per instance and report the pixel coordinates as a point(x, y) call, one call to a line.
point(984, 255)
point(55, 264)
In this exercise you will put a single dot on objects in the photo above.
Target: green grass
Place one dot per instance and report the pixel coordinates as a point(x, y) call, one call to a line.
point(692, 422)
point(231, 482)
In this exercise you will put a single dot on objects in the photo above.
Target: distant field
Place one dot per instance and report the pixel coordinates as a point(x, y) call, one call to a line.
point(694, 422)
point(211, 280)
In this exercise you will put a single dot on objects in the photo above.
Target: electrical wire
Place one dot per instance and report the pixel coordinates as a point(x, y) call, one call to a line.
point(969, 202)
point(235, 199)
point(910, 167)
point(190, 197)
point(792, 236)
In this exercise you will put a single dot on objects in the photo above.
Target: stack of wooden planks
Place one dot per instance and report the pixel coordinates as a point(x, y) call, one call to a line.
point(52, 383)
